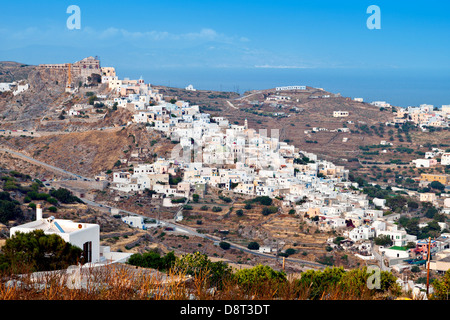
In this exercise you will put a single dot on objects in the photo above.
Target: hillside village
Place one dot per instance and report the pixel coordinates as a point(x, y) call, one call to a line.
point(210, 151)
point(214, 152)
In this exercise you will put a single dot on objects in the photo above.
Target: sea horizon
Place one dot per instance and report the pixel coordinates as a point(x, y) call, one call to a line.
point(399, 87)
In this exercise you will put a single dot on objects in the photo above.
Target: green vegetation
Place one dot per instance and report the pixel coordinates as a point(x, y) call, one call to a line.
point(253, 245)
point(269, 210)
point(174, 180)
point(64, 196)
point(9, 208)
point(179, 200)
point(225, 199)
point(38, 251)
point(257, 279)
point(383, 240)
point(353, 282)
point(264, 200)
point(441, 287)
point(153, 260)
point(224, 245)
point(197, 264)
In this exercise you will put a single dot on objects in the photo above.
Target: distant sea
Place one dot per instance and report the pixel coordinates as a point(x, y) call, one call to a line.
point(399, 87)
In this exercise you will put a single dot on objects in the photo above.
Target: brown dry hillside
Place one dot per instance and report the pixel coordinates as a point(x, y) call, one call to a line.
point(91, 152)
point(14, 71)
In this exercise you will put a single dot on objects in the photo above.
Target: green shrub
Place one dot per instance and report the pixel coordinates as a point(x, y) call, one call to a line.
point(224, 245)
point(39, 251)
point(153, 260)
point(198, 264)
point(253, 245)
point(269, 210)
point(259, 278)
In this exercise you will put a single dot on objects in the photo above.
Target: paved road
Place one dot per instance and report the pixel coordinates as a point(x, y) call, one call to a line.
point(33, 133)
point(251, 94)
point(48, 166)
point(165, 222)
point(231, 105)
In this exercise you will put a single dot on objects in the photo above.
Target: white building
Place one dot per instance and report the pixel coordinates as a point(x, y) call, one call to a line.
point(21, 88)
point(291, 88)
point(379, 202)
point(361, 233)
point(85, 236)
point(134, 221)
point(398, 237)
point(190, 88)
point(381, 104)
point(445, 159)
point(340, 114)
point(5, 86)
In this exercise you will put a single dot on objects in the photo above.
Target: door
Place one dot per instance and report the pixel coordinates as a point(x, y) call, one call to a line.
point(87, 251)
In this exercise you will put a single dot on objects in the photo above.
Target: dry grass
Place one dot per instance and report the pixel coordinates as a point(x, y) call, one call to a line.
point(122, 282)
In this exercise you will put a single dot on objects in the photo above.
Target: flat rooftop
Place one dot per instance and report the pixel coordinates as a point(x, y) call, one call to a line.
point(56, 225)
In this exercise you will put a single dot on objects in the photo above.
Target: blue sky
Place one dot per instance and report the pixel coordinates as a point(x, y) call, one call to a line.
point(250, 34)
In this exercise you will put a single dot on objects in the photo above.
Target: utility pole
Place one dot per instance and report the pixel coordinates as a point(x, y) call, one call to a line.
point(428, 263)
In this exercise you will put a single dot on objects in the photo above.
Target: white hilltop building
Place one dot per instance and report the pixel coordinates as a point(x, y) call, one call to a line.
point(86, 236)
point(190, 88)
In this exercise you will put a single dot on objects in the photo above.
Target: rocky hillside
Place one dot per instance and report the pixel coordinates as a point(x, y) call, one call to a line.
point(13, 71)
point(91, 152)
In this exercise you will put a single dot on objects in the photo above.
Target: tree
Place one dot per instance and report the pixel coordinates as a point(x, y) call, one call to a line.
point(290, 251)
point(264, 200)
point(9, 209)
point(415, 269)
point(413, 205)
point(269, 210)
point(198, 264)
point(437, 185)
point(38, 251)
point(259, 278)
point(397, 202)
point(64, 196)
point(412, 227)
point(441, 287)
point(240, 212)
point(317, 283)
point(383, 240)
point(195, 197)
point(92, 99)
point(224, 245)
point(430, 211)
point(153, 260)
point(253, 245)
